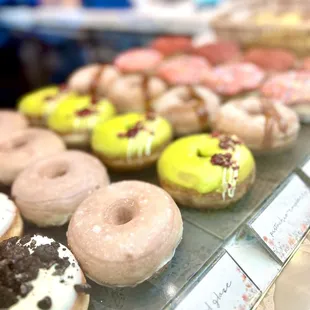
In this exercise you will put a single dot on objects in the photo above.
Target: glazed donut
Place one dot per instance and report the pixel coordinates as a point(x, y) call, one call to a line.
point(11, 223)
point(131, 141)
point(75, 118)
point(262, 125)
point(24, 147)
point(291, 88)
point(125, 233)
point(48, 191)
point(94, 79)
point(234, 79)
point(219, 52)
point(206, 171)
point(170, 45)
point(273, 59)
point(38, 105)
point(189, 109)
point(11, 121)
point(39, 273)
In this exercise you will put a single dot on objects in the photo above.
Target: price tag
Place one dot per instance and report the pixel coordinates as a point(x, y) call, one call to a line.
point(224, 287)
point(306, 168)
point(286, 219)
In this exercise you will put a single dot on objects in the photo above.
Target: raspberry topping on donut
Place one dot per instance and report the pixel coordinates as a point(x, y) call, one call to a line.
point(137, 127)
point(85, 112)
point(224, 160)
point(226, 142)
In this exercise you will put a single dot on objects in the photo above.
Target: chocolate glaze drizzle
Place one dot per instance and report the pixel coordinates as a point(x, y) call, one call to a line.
point(94, 84)
point(146, 94)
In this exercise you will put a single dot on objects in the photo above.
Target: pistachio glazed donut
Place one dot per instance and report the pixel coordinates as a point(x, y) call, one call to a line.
point(131, 141)
point(206, 171)
point(38, 105)
point(75, 118)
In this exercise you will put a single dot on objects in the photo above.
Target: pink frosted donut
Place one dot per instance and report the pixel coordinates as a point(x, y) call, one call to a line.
point(233, 79)
point(138, 60)
point(94, 79)
point(48, 191)
point(24, 147)
point(124, 233)
point(11, 121)
point(262, 125)
point(189, 109)
point(291, 88)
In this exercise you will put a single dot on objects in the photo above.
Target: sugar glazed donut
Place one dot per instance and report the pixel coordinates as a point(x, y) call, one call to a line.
point(11, 223)
point(24, 147)
point(48, 191)
point(189, 109)
point(263, 125)
point(40, 273)
point(131, 141)
point(125, 233)
point(205, 171)
point(11, 121)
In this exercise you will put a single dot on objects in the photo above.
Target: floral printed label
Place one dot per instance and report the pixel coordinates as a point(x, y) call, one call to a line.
point(306, 168)
point(224, 287)
point(284, 222)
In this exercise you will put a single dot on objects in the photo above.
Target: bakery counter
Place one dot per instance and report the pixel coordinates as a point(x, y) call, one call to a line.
point(205, 234)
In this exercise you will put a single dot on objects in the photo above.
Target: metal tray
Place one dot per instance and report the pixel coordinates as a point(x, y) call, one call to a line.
point(204, 233)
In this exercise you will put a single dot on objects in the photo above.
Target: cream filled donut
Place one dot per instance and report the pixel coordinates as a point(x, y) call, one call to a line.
point(40, 273)
point(262, 125)
point(124, 233)
point(48, 191)
point(94, 79)
point(11, 224)
point(11, 121)
point(189, 109)
point(24, 147)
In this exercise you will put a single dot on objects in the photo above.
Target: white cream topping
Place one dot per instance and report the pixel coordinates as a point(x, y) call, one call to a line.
point(7, 213)
point(63, 295)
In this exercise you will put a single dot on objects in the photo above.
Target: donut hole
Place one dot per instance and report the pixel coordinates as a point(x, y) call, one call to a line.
point(122, 212)
point(54, 171)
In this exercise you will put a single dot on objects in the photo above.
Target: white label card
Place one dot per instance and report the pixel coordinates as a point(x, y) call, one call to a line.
point(284, 222)
point(306, 168)
point(224, 287)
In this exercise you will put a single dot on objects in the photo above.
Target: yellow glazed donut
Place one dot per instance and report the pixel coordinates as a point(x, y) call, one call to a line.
point(206, 171)
point(38, 105)
point(75, 118)
point(131, 141)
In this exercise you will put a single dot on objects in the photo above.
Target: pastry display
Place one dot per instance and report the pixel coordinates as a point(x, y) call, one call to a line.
point(263, 125)
point(291, 88)
point(306, 64)
point(38, 105)
point(48, 191)
point(24, 147)
point(131, 141)
point(11, 223)
point(219, 52)
point(94, 79)
point(234, 79)
point(273, 59)
point(206, 171)
point(75, 118)
point(171, 45)
point(125, 233)
point(11, 121)
point(39, 273)
point(189, 109)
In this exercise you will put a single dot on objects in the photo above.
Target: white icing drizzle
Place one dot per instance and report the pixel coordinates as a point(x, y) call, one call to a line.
point(63, 295)
point(7, 213)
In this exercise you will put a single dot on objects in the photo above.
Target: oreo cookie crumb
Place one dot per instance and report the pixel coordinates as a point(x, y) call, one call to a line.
point(62, 281)
point(45, 303)
point(25, 240)
point(25, 288)
point(82, 288)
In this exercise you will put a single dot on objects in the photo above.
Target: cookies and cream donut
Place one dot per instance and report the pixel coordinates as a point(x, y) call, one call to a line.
point(38, 105)
point(75, 118)
point(39, 273)
point(11, 121)
point(291, 88)
point(189, 109)
point(263, 125)
point(124, 233)
point(11, 223)
point(48, 191)
point(131, 141)
point(24, 147)
point(205, 171)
